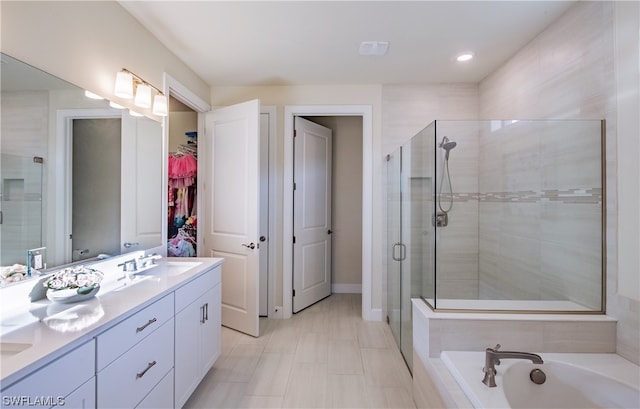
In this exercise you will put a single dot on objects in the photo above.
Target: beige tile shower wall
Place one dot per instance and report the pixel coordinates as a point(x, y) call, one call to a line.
point(540, 202)
point(568, 72)
point(457, 244)
point(406, 110)
point(22, 139)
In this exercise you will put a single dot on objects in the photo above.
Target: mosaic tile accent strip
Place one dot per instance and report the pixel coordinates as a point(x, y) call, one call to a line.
point(579, 196)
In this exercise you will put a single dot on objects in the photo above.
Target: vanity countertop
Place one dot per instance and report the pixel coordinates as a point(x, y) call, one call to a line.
point(38, 332)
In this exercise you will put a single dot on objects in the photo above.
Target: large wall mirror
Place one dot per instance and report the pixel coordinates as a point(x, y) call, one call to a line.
point(79, 180)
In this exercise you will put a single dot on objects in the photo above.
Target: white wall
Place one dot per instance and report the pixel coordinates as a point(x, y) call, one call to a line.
point(87, 42)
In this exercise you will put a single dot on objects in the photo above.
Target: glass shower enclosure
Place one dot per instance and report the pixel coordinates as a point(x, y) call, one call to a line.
point(21, 186)
point(496, 216)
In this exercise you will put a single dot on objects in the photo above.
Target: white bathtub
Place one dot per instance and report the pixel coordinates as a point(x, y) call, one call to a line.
point(573, 381)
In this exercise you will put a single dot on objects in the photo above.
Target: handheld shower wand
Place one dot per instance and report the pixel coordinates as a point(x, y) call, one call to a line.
point(447, 145)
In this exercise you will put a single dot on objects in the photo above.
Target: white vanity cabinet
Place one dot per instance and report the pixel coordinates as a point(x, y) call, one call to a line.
point(67, 381)
point(150, 355)
point(198, 317)
point(134, 356)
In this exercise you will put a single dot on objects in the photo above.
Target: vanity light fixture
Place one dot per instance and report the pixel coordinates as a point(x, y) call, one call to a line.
point(129, 85)
point(143, 96)
point(124, 85)
point(160, 105)
point(91, 95)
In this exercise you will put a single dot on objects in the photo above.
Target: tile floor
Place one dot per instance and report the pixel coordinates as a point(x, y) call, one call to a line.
point(324, 357)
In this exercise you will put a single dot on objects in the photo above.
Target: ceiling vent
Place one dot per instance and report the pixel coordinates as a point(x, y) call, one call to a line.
point(373, 47)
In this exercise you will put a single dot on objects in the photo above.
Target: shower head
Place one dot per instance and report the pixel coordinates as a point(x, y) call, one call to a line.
point(447, 145)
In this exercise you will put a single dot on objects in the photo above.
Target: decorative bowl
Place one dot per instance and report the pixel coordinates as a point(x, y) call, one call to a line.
point(73, 284)
point(71, 295)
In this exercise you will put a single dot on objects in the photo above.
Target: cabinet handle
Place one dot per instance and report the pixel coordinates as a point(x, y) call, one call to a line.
point(206, 312)
point(141, 374)
point(202, 320)
point(151, 321)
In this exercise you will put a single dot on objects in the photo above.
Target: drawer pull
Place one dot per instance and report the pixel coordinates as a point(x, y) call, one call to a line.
point(151, 321)
point(202, 319)
point(141, 374)
point(206, 312)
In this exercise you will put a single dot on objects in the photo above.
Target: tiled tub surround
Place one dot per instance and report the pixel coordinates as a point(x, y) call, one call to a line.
point(23, 321)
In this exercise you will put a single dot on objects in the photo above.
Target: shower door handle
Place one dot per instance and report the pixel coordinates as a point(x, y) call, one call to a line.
point(402, 252)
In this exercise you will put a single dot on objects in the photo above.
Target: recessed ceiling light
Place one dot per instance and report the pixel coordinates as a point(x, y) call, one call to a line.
point(464, 57)
point(373, 47)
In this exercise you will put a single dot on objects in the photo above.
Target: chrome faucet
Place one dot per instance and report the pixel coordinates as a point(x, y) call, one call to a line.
point(493, 356)
point(139, 263)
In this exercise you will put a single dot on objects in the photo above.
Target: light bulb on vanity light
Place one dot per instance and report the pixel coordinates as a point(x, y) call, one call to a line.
point(143, 96)
point(124, 85)
point(160, 105)
point(91, 95)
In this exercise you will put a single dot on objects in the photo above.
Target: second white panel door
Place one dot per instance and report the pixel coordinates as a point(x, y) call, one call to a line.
point(312, 213)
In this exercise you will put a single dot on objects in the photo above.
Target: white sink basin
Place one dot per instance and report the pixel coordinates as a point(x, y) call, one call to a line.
point(174, 268)
point(12, 348)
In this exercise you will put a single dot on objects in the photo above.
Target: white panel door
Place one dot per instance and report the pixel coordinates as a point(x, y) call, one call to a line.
point(141, 159)
point(311, 213)
point(264, 215)
point(231, 201)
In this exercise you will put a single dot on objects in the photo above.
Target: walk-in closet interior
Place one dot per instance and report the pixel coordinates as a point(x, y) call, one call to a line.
point(182, 167)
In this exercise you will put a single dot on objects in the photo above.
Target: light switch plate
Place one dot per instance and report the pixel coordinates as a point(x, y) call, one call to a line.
point(36, 259)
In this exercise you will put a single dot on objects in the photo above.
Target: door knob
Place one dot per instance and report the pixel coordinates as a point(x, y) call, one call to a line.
point(250, 245)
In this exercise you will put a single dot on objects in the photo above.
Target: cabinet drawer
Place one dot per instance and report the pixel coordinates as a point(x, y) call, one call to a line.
point(125, 382)
point(161, 396)
point(54, 380)
point(189, 292)
point(119, 339)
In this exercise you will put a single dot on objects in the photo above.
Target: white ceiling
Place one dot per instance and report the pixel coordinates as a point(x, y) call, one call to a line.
point(316, 42)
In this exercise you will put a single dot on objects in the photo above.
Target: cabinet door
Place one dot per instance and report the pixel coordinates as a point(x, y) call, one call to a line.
point(209, 337)
point(82, 398)
point(48, 385)
point(186, 366)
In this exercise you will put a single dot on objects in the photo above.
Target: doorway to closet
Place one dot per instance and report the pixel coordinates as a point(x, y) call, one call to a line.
point(182, 166)
point(228, 139)
point(327, 212)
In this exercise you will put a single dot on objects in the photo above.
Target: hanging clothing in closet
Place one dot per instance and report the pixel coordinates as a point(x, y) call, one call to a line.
point(182, 217)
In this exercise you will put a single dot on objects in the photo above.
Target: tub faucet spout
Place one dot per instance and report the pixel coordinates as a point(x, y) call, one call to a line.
point(493, 356)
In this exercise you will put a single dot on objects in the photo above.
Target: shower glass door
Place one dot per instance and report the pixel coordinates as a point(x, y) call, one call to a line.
point(394, 242)
point(410, 235)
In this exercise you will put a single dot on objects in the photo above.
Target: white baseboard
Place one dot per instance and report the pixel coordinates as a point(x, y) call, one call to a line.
point(346, 288)
point(374, 314)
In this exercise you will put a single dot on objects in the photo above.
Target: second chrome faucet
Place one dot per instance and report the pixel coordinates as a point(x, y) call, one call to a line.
point(493, 357)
